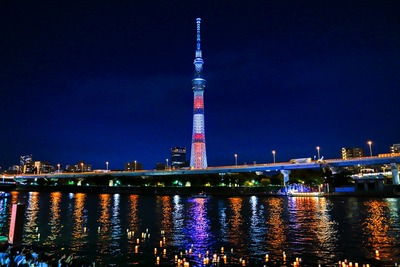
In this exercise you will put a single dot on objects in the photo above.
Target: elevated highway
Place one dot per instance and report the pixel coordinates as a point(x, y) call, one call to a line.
point(284, 167)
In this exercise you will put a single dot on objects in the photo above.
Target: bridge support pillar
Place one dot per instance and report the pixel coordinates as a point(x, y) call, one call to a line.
point(285, 176)
point(395, 173)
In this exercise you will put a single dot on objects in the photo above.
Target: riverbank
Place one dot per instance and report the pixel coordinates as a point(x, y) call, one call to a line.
point(211, 191)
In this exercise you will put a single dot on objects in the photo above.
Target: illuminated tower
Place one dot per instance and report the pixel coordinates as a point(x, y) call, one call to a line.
point(198, 157)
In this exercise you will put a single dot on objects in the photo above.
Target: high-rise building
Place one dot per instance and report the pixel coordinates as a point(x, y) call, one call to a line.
point(352, 152)
point(80, 167)
point(198, 157)
point(133, 166)
point(178, 157)
point(395, 148)
point(26, 164)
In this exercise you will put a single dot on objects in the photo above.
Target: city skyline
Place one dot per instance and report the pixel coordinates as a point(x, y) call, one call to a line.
point(111, 82)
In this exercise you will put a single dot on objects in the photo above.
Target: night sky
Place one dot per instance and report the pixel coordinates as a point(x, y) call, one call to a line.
point(111, 81)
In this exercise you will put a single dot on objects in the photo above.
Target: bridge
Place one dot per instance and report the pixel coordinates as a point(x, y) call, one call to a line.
point(283, 167)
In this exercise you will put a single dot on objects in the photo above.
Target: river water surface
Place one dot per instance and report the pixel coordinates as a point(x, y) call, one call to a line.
point(133, 230)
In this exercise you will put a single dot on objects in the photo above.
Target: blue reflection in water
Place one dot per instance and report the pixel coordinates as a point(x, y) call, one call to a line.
point(3, 214)
point(198, 226)
point(116, 231)
point(223, 222)
point(178, 235)
point(257, 228)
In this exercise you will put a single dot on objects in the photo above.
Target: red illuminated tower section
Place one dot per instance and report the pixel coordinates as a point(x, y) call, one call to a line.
point(198, 157)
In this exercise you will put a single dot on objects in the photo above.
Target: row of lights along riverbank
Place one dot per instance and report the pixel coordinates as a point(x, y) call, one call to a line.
point(318, 153)
point(318, 148)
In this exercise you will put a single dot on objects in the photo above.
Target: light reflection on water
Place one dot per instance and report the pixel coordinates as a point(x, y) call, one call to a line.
point(54, 219)
point(79, 230)
point(377, 225)
point(275, 235)
point(32, 209)
point(105, 227)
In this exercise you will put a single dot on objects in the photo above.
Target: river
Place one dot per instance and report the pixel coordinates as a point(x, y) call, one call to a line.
point(134, 230)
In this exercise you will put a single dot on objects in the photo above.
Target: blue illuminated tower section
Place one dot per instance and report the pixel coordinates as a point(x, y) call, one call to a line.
point(198, 157)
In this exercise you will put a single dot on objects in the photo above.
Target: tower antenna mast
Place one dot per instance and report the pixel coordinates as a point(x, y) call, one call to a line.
point(198, 157)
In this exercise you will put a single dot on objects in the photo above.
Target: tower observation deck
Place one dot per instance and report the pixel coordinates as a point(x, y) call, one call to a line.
point(198, 157)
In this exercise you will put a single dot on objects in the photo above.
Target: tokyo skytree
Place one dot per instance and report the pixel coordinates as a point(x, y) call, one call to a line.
point(198, 157)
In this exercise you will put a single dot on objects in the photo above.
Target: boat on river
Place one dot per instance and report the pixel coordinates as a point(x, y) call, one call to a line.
point(294, 193)
point(200, 195)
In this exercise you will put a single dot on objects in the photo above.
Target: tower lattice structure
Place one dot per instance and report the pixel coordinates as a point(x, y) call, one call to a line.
point(198, 157)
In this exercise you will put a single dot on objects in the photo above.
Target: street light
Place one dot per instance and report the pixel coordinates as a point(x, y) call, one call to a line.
point(236, 160)
point(82, 167)
point(370, 148)
point(273, 155)
point(135, 165)
point(318, 152)
point(107, 165)
point(166, 166)
point(58, 165)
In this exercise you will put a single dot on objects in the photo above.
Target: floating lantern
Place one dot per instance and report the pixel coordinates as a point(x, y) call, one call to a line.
point(222, 250)
point(136, 249)
point(155, 251)
point(137, 240)
point(266, 257)
point(161, 244)
point(243, 263)
point(165, 252)
point(377, 254)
